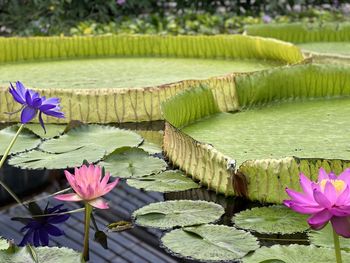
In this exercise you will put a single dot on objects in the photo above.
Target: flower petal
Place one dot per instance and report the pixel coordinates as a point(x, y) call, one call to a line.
point(345, 176)
point(321, 199)
point(44, 237)
point(69, 197)
point(305, 184)
point(36, 238)
point(42, 122)
point(344, 197)
point(320, 219)
point(27, 238)
point(99, 203)
point(300, 197)
point(322, 175)
point(341, 225)
point(301, 208)
point(28, 114)
point(330, 192)
point(53, 230)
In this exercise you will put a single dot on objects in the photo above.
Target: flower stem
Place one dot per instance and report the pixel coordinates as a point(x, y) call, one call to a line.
point(337, 247)
point(88, 210)
point(2, 161)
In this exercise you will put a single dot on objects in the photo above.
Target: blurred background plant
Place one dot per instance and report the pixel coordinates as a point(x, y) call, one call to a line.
point(86, 17)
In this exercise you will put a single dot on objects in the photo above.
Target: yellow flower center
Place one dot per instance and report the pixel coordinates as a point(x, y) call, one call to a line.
point(339, 185)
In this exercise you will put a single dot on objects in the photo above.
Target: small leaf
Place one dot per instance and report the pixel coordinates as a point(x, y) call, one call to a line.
point(101, 238)
point(52, 130)
point(42, 160)
point(272, 219)
point(295, 254)
point(169, 214)
point(119, 226)
point(168, 181)
point(132, 163)
point(92, 137)
point(210, 243)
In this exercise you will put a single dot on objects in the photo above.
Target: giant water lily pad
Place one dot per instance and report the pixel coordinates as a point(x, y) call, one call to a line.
point(324, 238)
point(129, 72)
point(313, 129)
point(340, 48)
point(210, 243)
point(92, 136)
point(25, 141)
point(45, 254)
point(295, 254)
point(132, 162)
point(272, 219)
point(170, 214)
point(36, 159)
point(168, 181)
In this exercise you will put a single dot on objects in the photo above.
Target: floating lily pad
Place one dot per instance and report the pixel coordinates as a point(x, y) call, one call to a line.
point(92, 136)
point(52, 130)
point(150, 147)
point(25, 141)
point(153, 141)
point(42, 160)
point(295, 254)
point(132, 162)
point(272, 219)
point(324, 238)
point(169, 214)
point(168, 181)
point(45, 254)
point(3, 244)
point(210, 243)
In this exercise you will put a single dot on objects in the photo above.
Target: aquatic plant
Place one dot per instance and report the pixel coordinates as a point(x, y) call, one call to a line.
point(326, 200)
point(39, 229)
point(89, 183)
point(89, 186)
point(32, 103)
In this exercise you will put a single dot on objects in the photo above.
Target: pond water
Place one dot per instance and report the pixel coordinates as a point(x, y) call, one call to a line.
point(122, 72)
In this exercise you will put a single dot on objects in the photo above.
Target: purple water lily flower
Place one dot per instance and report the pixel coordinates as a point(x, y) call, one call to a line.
point(33, 103)
point(326, 200)
point(39, 229)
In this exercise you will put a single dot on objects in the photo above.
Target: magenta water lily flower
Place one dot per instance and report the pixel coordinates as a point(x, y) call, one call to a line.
point(89, 186)
point(326, 200)
point(33, 103)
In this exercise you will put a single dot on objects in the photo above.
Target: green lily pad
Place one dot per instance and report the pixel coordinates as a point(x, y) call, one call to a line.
point(273, 219)
point(295, 254)
point(169, 214)
point(45, 254)
point(153, 141)
point(52, 130)
point(42, 160)
point(168, 181)
point(25, 141)
point(132, 162)
point(3, 244)
point(92, 136)
point(210, 243)
point(324, 238)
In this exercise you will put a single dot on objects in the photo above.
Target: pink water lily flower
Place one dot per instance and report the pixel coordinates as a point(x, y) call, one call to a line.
point(328, 199)
point(88, 186)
